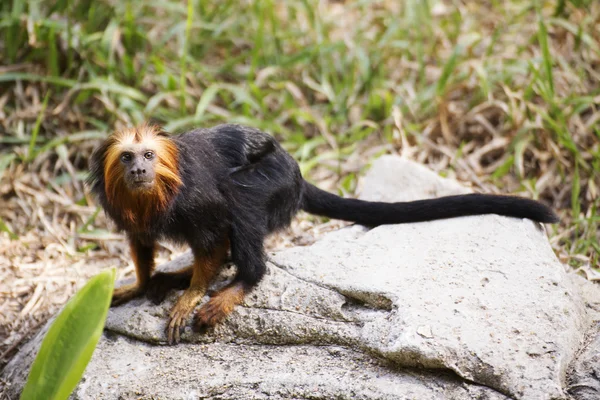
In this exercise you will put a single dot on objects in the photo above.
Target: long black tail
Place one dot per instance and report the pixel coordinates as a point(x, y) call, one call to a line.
point(320, 202)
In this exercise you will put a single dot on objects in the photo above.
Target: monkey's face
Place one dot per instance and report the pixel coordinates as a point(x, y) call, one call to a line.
point(139, 167)
point(142, 162)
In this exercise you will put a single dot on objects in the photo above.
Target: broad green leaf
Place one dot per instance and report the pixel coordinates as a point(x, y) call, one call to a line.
point(70, 341)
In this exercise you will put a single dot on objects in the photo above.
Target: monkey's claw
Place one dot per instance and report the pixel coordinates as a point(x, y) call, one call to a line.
point(180, 313)
point(177, 321)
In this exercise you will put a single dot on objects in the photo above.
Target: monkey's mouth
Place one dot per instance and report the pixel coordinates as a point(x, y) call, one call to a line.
point(141, 184)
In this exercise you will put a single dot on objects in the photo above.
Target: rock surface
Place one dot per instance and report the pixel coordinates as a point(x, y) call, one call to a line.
point(473, 307)
point(584, 373)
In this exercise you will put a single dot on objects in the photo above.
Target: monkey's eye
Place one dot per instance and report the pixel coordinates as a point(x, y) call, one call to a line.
point(126, 157)
point(148, 155)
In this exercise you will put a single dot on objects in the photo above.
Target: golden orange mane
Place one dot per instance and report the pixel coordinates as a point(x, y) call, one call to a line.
point(137, 209)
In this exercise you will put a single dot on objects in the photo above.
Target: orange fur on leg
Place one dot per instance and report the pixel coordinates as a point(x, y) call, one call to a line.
point(143, 259)
point(204, 270)
point(220, 305)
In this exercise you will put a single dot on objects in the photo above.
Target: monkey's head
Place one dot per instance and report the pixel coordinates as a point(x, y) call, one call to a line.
point(138, 162)
point(136, 170)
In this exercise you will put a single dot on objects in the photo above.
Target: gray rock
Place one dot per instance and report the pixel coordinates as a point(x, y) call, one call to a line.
point(474, 307)
point(584, 377)
point(393, 178)
point(234, 371)
point(584, 372)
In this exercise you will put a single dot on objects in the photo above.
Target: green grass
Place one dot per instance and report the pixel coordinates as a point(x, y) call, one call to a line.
point(325, 79)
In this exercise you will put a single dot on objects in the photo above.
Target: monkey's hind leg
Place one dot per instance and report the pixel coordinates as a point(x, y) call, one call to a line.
point(204, 270)
point(161, 282)
point(220, 305)
point(143, 259)
point(248, 254)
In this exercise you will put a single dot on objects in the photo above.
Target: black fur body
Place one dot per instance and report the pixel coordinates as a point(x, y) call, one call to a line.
point(240, 184)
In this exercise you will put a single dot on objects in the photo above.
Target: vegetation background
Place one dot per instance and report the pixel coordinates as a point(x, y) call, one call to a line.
point(503, 95)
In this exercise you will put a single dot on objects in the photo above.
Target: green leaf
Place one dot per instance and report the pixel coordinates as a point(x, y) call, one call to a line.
point(5, 161)
point(5, 228)
point(22, 76)
point(449, 68)
point(102, 84)
point(207, 97)
point(36, 129)
point(504, 168)
point(543, 39)
point(575, 191)
point(70, 341)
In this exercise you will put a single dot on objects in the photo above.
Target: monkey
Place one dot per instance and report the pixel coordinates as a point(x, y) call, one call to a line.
point(222, 190)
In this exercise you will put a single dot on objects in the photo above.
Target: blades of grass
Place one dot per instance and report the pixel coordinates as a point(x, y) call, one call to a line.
point(484, 82)
point(180, 123)
point(577, 32)
point(521, 141)
point(5, 160)
point(575, 192)
point(562, 133)
point(259, 38)
point(72, 138)
point(89, 221)
point(242, 96)
point(31, 153)
point(13, 41)
point(547, 58)
point(23, 76)
point(66, 177)
point(504, 169)
point(184, 53)
point(206, 99)
point(155, 101)
point(447, 71)
point(68, 346)
point(102, 84)
point(5, 228)
point(560, 7)
point(52, 54)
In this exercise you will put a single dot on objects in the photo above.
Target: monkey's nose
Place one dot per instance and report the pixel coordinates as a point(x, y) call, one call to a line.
point(138, 171)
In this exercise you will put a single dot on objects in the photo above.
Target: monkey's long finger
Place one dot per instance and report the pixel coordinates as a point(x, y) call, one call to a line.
point(170, 328)
point(178, 329)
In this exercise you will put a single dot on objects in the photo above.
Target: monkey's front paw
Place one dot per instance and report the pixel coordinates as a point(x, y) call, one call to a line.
point(180, 313)
point(125, 293)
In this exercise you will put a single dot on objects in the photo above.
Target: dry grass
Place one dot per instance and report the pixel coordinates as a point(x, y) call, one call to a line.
point(497, 94)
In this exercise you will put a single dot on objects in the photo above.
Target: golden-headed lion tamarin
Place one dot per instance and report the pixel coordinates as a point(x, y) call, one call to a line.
point(223, 190)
